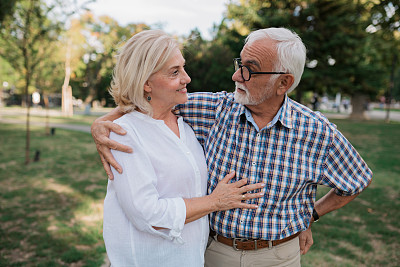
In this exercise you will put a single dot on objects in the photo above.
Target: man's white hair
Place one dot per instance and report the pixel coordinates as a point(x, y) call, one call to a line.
point(291, 51)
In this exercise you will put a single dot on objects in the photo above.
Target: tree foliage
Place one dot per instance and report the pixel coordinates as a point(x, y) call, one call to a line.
point(6, 9)
point(101, 38)
point(208, 63)
point(348, 42)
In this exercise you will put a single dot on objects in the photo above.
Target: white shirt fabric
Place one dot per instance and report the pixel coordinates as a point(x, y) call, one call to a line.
point(162, 170)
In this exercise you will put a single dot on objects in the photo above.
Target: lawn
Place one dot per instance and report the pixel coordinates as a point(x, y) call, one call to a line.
point(39, 115)
point(366, 232)
point(51, 210)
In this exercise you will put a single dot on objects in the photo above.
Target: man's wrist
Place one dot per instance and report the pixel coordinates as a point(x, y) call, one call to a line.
point(315, 215)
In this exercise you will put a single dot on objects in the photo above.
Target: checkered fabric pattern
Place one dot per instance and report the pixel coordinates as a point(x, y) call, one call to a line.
point(302, 149)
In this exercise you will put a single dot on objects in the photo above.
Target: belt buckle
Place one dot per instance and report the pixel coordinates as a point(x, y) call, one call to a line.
point(234, 243)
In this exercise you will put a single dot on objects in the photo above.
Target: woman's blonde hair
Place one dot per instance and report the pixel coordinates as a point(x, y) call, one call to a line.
point(143, 55)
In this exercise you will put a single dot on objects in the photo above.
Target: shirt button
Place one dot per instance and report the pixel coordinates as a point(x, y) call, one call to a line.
point(253, 163)
point(258, 134)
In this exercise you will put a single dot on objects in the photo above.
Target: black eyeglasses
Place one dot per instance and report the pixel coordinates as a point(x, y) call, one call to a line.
point(246, 72)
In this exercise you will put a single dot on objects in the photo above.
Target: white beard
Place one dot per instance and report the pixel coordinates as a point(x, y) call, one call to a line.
point(247, 99)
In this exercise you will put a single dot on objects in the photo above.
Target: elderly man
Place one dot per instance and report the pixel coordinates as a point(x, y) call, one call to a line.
point(263, 135)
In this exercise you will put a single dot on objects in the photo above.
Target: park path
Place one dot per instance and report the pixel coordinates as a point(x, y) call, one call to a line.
point(372, 115)
point(74, 127)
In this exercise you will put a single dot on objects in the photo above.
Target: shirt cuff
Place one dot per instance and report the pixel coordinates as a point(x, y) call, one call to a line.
point(178, 222)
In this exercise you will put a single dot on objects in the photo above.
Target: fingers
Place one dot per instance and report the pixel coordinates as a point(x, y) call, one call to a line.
point(302, 243)
point(109, 158)
point(116, 146)
point(228, 177)
point(308, 245)
point(107, 168)
point(247, 206)
point(113, 127)
point(252, 196)
point(305, 241)
point(307, 248)
point(101, 133)
point(252, 187)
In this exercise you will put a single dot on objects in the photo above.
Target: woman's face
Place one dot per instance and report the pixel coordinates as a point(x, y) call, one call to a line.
point(167, 87)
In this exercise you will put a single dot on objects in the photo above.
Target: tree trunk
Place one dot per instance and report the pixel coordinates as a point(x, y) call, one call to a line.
point(28, 131)
point(28, 74)
point(46, 105)
point(359, 103)
point(67, 109)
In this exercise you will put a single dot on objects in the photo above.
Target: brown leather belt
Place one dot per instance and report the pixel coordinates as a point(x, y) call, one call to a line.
point(252, 244)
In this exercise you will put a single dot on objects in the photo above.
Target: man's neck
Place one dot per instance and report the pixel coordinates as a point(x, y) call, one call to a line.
point(265, 112)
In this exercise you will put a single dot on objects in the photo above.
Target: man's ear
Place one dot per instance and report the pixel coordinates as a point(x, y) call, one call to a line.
point(285, 81)
point(147, 87)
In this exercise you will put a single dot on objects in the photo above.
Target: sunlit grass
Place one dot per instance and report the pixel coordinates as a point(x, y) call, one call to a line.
point(366, 231)
point(51, 210)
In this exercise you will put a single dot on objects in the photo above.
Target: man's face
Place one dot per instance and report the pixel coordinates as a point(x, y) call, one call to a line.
point(258, 56)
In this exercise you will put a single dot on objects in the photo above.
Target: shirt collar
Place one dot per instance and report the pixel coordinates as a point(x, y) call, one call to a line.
point(286, 113)
point(283, 115)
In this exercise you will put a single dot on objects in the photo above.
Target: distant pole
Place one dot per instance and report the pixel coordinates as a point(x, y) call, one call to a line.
point(391, 86)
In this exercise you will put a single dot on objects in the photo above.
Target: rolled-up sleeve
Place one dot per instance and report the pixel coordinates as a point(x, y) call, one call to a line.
point(136, 191)
point(344, 169)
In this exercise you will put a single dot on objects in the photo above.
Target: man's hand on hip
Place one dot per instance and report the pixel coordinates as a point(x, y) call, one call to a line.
point(305, 240)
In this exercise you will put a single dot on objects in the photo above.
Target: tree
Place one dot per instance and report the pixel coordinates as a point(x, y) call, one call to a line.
point(208, 63)
point(385, 27)
point(25, 38)
point(102, 36)
point(342, 55)
point(6, 8)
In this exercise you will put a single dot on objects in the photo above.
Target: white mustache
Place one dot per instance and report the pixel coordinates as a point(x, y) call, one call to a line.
point(240, 86)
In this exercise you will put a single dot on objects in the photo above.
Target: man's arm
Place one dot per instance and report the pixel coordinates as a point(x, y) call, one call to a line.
point(101, 129)
point(198, 111)
point(329, 202)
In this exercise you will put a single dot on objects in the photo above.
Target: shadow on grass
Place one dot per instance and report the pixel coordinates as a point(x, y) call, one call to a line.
point(51, 210)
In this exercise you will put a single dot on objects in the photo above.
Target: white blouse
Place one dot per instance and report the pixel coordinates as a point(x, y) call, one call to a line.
point(162, 170)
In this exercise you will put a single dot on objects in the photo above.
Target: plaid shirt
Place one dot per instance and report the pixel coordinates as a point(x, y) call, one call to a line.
point(291, 156)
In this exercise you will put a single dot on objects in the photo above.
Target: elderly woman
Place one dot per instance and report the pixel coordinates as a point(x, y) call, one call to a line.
point(155, 211)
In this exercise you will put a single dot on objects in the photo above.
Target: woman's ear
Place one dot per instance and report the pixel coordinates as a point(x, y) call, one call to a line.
point(285, 82)
point(147, 87)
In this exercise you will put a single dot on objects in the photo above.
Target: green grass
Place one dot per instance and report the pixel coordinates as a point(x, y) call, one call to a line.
point(51, 210)
point(366, 232)
point(76, 119)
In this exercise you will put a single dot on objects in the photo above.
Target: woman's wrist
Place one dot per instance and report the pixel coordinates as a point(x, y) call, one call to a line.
point(212, 203)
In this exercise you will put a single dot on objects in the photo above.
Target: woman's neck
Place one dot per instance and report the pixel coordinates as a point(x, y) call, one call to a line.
point(169, 119)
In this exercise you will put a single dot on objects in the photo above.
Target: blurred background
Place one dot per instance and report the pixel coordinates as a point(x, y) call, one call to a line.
point(56, 63)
